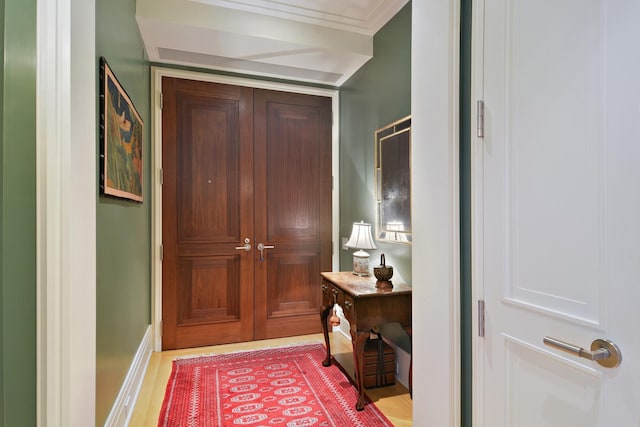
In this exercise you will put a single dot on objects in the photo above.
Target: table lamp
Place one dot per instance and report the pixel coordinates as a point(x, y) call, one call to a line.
point(361, 239)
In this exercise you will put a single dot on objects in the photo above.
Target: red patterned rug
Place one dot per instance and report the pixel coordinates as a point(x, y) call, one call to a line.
point(286, 386)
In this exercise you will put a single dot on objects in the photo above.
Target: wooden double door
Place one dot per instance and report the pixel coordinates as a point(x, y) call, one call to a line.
point(246, 212)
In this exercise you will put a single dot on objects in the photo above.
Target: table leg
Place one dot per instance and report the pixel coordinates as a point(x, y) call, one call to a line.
point(324, 314)
point(359, 339)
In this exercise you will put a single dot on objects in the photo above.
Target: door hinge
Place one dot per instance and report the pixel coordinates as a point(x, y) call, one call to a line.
point(481, 318)
point(161, 101)
point(161, 176)
point(480, 118)
point(332, 184)
point(161, 253)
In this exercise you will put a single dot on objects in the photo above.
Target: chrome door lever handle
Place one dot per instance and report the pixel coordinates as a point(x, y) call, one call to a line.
point(603, 351)
point(247, 245)
point(261, 247)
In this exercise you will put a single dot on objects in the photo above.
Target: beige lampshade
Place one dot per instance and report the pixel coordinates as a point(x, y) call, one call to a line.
point(361, 239)
point(361, 236)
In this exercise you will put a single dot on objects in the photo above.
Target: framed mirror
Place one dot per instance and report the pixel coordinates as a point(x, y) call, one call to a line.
point(393, 182)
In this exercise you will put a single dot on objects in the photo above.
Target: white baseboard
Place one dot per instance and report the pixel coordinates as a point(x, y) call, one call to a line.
point(403, 362)
point(122, 409)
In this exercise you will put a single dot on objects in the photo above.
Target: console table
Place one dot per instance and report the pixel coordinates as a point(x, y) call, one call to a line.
point(364, 306)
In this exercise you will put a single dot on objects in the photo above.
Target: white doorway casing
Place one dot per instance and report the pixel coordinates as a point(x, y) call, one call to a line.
point(66, 213)
point(156, 222)
point(435, 55)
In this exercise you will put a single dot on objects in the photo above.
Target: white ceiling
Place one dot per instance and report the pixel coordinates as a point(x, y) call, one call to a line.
point(321, 41)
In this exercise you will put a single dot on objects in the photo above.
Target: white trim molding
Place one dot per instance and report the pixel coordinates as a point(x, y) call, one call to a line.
point(122, 409)
point(52, 112)
point(157, 73)
point(435, 209)
point(65, 213)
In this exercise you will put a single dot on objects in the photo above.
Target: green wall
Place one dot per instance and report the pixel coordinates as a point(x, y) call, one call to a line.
point(123, 235)
point(17, 215)
point(376, 95)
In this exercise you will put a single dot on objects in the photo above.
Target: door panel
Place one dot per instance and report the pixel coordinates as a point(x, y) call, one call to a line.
point(289, 296)
point(571, 391)
point(553, 163)
point(554, 188)
point(208, 185)
point(293, 210)
point(207, 213)
point(202, 299)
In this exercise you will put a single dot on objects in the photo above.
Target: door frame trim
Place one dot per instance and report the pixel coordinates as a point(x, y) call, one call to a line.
point(435, 164)
point(65, 213)
point(157, 73)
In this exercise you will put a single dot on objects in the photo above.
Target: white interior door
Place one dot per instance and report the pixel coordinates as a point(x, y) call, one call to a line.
point(556, 198)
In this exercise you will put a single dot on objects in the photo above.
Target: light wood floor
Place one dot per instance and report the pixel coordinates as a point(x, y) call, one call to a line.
point(394, 401)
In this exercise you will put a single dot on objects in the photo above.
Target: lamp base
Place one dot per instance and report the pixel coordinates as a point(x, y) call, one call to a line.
point(361, 263)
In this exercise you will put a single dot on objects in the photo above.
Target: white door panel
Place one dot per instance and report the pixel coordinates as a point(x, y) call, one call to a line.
point(557, 210)
point(571, 390)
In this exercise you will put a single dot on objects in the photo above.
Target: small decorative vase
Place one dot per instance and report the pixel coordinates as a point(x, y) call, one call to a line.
point(383, 273)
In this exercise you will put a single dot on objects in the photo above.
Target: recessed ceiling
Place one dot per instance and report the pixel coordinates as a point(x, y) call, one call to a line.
point(322, 41)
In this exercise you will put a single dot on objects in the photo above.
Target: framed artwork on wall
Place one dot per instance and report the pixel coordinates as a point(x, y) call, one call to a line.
point(121, 130)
